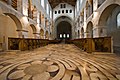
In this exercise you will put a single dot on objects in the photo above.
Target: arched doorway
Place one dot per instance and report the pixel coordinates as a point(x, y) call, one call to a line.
point(89, 30)
point(64, 30)
point(108, 23)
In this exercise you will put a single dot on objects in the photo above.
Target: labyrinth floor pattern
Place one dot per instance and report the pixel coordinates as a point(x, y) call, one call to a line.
point(59, 62)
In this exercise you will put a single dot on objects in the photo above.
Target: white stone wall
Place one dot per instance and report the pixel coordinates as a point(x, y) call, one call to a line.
point(68, 7)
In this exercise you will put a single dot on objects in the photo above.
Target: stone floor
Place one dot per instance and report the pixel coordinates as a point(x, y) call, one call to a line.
point(58, 62)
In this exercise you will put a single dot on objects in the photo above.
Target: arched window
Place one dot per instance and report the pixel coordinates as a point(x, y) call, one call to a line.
point(55, 12)
point(68, 36)
point(70, 11)
point(47, 8)
point(58, 11)
point(66, 11)
point(118, 21)
point(42, 3)
point(60, 35)
point(64, 35)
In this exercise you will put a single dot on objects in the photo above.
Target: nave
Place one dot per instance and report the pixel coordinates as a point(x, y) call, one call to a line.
point(59, 62)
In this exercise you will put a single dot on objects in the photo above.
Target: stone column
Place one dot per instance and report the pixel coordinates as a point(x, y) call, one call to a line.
point(103, 31)
point(82, 35)
point(22, 6)
point(95, 5)
point(19, 33)
point(35, 14)
point(44, 37)
point(85, 14)
point(36, 35)
point(88, 11)
point(86, 35)
point(45, 22)
point(22, 33)
point(5, 43)
point(99, 31)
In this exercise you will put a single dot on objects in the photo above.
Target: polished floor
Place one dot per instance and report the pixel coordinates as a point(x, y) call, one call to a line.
point(58, 62)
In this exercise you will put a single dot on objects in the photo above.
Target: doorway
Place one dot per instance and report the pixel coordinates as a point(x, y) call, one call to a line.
point(64, 30)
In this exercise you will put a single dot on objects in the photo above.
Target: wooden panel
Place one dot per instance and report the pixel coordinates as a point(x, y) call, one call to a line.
point(54, 41)
point(84, 44)
point(26, 44)
point(13, 43)
point(93, 44)
point(102, 44)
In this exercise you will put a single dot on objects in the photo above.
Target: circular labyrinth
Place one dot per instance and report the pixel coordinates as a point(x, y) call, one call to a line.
point(61, 66)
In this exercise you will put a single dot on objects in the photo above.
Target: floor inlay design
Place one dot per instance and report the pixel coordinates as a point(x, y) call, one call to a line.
point(59, 62)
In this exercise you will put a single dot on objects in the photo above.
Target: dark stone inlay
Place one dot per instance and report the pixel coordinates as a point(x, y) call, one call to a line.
point(36, 69)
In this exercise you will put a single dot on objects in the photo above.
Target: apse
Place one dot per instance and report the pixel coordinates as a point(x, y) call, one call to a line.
point(64, 30)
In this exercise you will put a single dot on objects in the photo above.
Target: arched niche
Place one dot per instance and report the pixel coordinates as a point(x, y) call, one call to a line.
point(15, 19)
point(41, 34)
point(89, 30)
point(31, 31)
point(10, 25)
point(108, 25)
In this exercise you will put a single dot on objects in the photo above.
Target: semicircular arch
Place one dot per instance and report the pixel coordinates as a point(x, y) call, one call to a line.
point(16, 20)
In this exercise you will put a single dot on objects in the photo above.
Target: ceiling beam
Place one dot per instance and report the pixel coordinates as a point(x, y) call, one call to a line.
point(54, 3)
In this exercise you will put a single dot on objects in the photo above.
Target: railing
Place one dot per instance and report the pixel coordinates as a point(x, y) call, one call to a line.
point(89, 45)
point(25, 44)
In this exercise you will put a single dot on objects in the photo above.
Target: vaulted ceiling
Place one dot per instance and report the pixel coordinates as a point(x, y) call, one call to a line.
point(54, 3)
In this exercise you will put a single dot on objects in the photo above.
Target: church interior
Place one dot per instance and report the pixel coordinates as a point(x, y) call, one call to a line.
point(59, 39)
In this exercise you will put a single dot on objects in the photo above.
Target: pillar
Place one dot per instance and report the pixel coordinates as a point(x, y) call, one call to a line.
point(5, 43)
point(19, 33)
point(100, 31)
point(22, 6)
point(36, 35)
point(82, 35)
point(86, 35)
point(85, 14)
